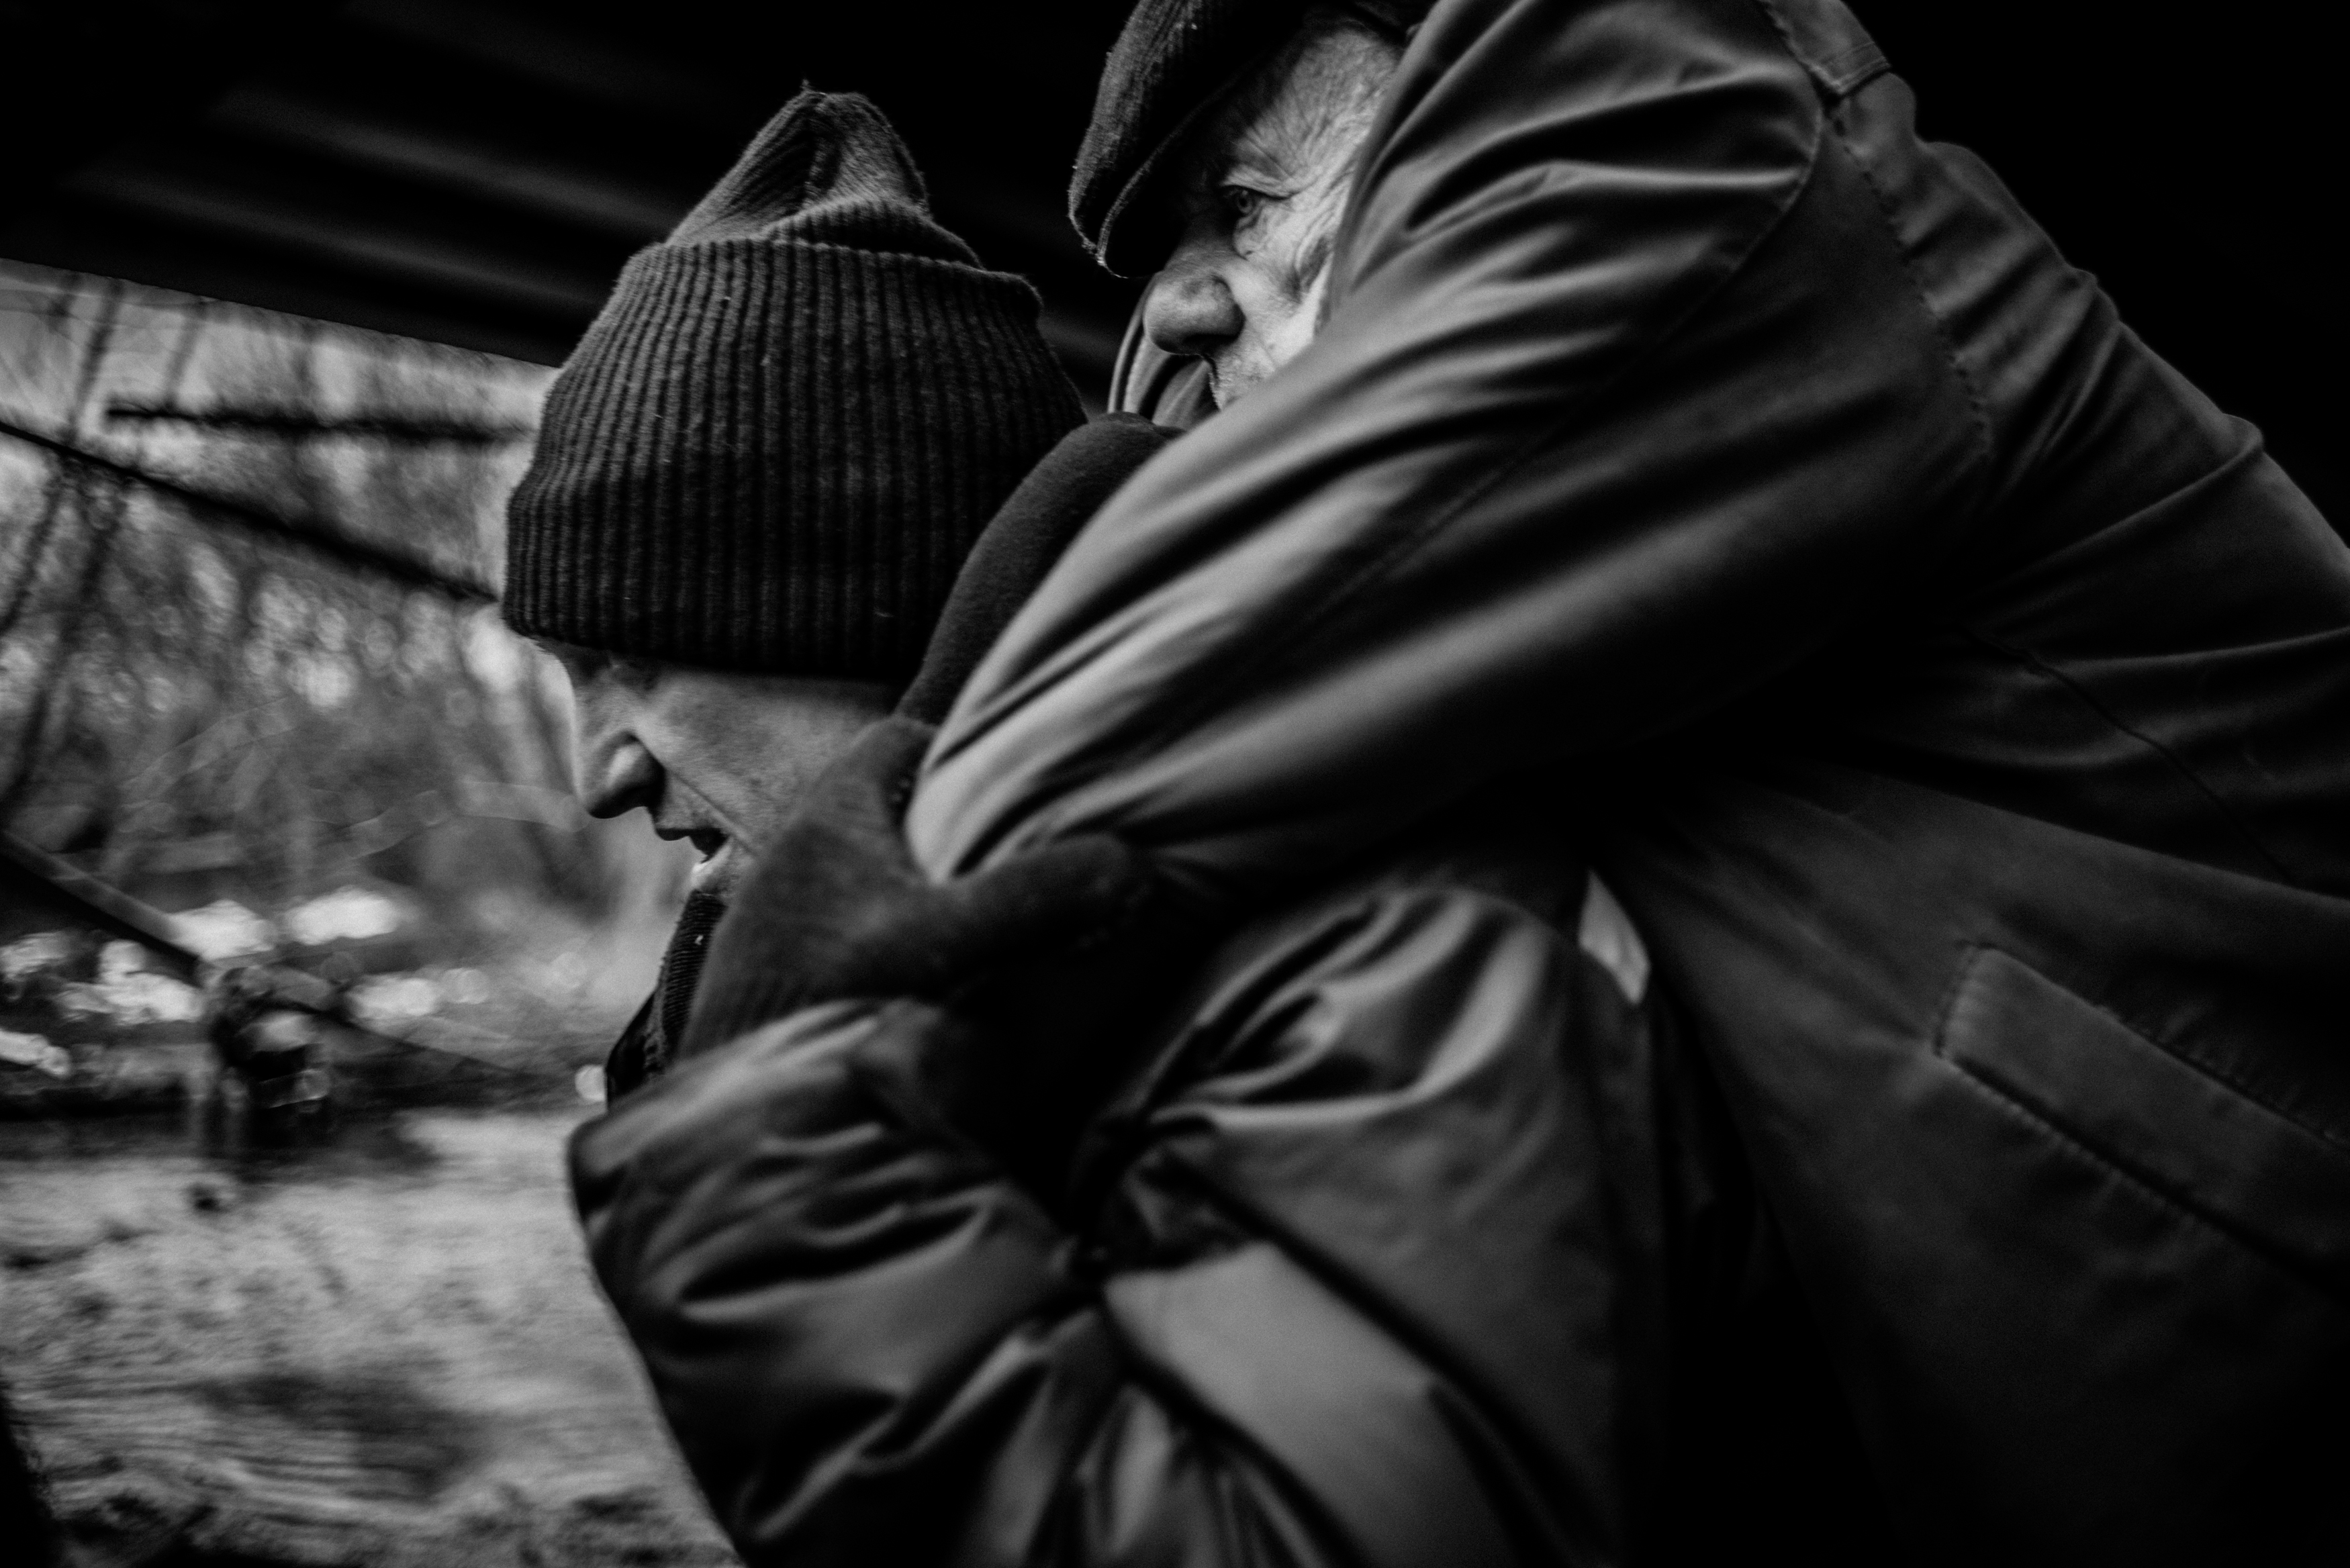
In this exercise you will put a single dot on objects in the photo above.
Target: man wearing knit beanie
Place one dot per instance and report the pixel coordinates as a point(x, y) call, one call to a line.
point(773, 449)
point(882, 1323)
point(755, 482)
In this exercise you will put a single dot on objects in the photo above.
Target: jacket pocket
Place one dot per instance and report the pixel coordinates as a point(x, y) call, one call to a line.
point(2271, 1183)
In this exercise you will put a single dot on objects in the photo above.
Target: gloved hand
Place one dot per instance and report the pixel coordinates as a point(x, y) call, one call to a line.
point(837, 908)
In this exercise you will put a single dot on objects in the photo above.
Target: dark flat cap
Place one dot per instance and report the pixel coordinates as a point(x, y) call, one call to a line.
point(1174, 62)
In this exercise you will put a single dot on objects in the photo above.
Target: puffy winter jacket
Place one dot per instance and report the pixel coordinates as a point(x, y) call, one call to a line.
point(1416, 1241)
point(1414, 1236)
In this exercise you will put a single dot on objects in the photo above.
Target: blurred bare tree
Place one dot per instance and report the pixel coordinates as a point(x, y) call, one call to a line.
point(205, 660)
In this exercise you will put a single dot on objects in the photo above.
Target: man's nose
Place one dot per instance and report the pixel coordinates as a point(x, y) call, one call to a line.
point(616, 774)
point(1189, 308)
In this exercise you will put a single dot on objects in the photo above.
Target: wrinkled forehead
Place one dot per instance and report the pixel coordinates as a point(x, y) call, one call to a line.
point(1174, 63)
point(1314, 95)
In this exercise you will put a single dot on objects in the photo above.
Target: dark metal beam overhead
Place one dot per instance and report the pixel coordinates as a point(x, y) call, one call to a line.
point(475, 171)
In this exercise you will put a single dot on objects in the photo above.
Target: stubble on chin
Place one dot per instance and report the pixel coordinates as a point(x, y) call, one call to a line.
point(1238, 370)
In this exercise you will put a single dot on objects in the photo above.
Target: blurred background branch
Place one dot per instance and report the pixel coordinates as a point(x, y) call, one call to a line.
point(247, 641)
point(270, 421)
point(315, 533)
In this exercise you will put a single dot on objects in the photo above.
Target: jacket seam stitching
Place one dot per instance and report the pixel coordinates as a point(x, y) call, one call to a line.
point(2153, 1040)
point(1832, 107)
point(1948, 1006)
point(2105, 1164)
point(1843, 73)
point(1851, 70)
point(2031, 659)
point(1976, 406)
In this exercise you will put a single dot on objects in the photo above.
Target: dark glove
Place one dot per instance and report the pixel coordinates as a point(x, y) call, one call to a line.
point(837, 908)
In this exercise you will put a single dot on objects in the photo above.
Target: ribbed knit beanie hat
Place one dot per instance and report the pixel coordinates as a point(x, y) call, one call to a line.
point(772, 448)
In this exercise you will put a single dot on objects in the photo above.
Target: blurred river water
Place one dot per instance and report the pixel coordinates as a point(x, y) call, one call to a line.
point(381, 1348)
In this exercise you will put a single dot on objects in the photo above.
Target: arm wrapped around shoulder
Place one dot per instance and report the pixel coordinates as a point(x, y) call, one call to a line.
point(837, 908)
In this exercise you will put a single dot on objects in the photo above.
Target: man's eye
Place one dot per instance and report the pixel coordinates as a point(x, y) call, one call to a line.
point(1240, 202)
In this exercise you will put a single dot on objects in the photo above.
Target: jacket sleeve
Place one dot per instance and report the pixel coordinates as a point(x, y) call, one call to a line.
point(1625, 403)
point(873, 1347)
point(869, 1346)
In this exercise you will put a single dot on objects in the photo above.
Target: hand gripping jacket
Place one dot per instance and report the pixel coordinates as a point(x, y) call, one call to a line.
point(1968, 700)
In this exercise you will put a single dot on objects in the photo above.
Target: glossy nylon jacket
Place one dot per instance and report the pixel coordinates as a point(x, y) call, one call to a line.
point(1414, 1235)
point(1974, 696)
point(1966, 695)
point(1416, 1241)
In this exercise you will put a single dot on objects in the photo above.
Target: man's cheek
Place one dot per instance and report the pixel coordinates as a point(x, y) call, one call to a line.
point(1307, 322)
point(1284, 331)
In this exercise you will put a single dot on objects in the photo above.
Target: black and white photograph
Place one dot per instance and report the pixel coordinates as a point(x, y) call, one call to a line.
point(1174, 784)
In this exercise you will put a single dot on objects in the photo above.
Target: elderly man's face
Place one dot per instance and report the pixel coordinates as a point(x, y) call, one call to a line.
point(714, 756)
point(1259, 190)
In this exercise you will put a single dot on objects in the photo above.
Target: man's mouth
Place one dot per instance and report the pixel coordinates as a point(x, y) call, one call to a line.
point(711, 844)
point(714, 848)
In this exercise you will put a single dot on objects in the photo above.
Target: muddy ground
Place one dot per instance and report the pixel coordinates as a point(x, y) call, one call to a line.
point(383, 1347)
